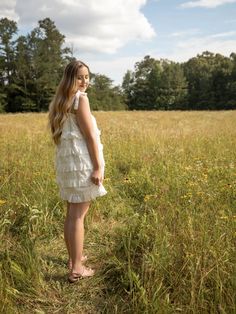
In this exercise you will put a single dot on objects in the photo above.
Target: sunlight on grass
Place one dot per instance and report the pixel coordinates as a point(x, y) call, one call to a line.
point(162, 239)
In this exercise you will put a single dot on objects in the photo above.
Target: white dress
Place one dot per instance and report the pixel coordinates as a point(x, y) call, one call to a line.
point(73, 163)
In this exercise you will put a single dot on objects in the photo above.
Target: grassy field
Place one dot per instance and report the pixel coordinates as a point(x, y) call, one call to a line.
point(161, 241)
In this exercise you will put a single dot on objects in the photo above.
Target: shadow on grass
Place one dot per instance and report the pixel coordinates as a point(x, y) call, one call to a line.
point(55, 261)
point(55, 277)
point(56, 268)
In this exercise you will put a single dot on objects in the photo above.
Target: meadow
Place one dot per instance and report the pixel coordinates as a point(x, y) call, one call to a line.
point(161, 241)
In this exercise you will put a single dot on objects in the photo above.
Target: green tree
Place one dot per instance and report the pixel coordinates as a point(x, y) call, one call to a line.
point(155, 84)
point(221, 75)
point(209, 81)
point(140, 94)
point(31, 66)
point(127, 86)
point(8, 30)
point(231, 101)
point(102, 94)
point(23, 77)
point(48, 59)
point(172, 87)
point(198, 73)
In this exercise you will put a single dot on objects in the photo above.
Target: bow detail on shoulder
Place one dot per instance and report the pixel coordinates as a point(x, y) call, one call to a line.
point(77, 96)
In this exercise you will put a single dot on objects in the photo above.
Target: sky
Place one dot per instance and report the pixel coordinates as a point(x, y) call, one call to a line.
point(112, 35)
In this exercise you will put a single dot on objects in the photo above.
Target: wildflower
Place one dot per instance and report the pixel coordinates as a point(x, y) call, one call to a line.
point(224, 217)
point(146, 198)
point(127, 180)
point(2, 202)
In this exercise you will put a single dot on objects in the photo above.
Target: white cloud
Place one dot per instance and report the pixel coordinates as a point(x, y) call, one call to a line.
point(93, 26)
point(205, 3)
point(114, 68)
point(185, 46)
point(7, 9)
point(184, 33)
point(188, 48)
point(225, 34)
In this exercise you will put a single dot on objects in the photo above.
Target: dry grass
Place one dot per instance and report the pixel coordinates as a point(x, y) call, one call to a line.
point(162, 240)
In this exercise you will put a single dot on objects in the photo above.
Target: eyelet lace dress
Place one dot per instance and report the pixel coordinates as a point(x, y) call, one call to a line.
point(73, 163)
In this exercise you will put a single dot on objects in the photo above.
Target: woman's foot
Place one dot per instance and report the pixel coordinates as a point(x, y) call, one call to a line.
point(85, 272)
point(83, 260)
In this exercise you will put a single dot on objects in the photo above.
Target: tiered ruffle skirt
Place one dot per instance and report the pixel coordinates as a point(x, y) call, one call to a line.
point(74, 166)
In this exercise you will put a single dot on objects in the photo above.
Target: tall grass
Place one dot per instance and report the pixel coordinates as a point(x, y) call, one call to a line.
point(162, 240)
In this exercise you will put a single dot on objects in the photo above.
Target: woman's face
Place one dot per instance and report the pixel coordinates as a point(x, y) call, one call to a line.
point(82, 79)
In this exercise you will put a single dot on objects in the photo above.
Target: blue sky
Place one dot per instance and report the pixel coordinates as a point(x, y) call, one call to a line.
point(111, 36)
point(174, 24)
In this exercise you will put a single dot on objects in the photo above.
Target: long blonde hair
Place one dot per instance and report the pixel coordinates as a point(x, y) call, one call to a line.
point(61, 103)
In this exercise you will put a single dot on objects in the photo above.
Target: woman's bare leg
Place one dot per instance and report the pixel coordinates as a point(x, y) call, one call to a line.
point(66, 231)
point(66, 238)
point(75, 233)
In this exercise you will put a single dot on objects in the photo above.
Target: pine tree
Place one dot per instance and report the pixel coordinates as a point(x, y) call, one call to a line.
point(8, 29)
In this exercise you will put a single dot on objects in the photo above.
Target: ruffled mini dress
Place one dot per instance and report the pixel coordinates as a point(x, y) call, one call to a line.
point(73, 164)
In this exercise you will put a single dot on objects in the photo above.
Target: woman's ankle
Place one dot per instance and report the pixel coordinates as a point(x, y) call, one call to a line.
point(77, 267)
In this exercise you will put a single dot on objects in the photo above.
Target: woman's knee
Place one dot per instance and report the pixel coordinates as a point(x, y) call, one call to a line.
point(78, 210)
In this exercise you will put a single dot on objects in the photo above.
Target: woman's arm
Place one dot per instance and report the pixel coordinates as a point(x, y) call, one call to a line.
point(84, 120)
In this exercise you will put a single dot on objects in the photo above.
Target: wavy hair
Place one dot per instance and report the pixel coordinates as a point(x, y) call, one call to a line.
point(61, 103)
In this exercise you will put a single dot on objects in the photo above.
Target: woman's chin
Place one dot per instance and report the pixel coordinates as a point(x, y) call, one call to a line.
point(82, 89)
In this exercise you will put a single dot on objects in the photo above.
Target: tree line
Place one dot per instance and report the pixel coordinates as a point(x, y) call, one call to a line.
point(31, 67)
point(205, 82)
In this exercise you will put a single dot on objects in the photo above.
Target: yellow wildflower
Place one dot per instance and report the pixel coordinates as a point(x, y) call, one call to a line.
point(224, 217)
point(146, 198)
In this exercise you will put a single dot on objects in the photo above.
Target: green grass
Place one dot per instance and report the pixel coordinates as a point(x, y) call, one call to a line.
point(162, 240)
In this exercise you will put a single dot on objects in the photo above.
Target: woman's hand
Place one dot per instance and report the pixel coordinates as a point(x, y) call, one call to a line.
point(96, 177)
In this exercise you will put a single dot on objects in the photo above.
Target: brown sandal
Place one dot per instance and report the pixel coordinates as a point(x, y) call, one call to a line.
point(87, 272)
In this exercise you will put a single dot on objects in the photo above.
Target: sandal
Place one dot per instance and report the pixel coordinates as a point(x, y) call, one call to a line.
point(86, 272)
point(83, 260)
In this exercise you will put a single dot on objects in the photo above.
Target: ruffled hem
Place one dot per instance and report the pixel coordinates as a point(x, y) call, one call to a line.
point(84, 194)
